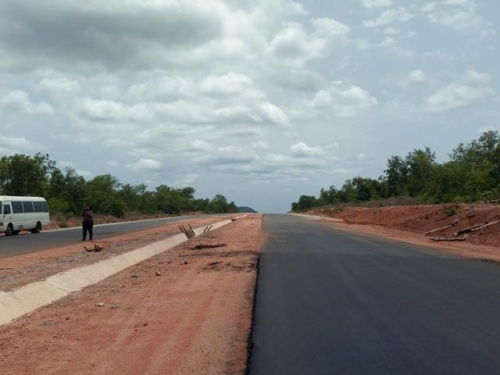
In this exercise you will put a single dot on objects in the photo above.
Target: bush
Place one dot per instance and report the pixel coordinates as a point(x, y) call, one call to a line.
point(449, 211)
point(57, 206)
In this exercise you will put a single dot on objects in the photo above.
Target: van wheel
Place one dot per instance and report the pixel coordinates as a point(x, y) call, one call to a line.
point(37, 229)
point(9, 230)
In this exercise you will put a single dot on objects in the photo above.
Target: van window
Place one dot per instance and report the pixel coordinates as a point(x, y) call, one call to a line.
point(6, 209)
point(28, 207)
point(17, 207)
point(38, 206)
point(45, 206)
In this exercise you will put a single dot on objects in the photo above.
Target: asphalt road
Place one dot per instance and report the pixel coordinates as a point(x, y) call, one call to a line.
point(332, 302)
point(27, 242)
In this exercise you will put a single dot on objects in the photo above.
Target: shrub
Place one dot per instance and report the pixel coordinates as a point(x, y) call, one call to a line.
point(450, 211)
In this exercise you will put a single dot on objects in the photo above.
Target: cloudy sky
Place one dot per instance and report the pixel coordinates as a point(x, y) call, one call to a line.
point(259, 100)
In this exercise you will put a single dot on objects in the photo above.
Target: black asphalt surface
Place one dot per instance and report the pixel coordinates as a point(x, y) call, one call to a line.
point(25, 243)
point(332, 302)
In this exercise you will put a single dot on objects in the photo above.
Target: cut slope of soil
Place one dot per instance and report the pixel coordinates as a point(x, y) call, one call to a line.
point(411, 223)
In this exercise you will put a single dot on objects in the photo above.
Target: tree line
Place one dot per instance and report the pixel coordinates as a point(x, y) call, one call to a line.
point(471, 174)
point(67, 192)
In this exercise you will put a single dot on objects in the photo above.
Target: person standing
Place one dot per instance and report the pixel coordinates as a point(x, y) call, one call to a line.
point(87, 222)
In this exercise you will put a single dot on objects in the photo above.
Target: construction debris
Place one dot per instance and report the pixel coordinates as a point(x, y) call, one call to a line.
point(207, 246)
point(485, 226)
point(189, 232)
point(447, 238)
point(454, 224)
point(477, 227)
point(96, 248)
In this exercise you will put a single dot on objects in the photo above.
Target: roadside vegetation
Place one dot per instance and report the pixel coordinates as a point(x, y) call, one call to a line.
point(471, 174)
point(67, 192)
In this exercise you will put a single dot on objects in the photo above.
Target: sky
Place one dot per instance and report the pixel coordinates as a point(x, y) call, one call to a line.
point(259, 100)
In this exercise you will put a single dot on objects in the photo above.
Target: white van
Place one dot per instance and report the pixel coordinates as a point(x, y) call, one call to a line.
point(23, 213)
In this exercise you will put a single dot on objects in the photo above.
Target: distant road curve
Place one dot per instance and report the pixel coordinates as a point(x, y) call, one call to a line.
point(29, 243)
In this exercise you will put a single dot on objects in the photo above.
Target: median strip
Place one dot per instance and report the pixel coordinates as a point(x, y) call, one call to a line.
point(28, 298)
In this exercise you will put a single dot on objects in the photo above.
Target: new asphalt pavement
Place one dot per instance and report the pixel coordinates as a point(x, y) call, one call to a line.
point(333, 302)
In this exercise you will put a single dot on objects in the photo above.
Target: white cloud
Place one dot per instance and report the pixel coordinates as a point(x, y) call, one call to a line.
point(260, 145)
point(454, 96)
point(390, 16)
point(227, 84)
point(429, 7)
point(361, 157)
point(112, 110)
point(229, 155)
point(200, 145)
point(301, 150)
point(273, 114)
point(167, 89)
point(457, 19)
point(276, 159)
point(416, 76)
point(19, 101)
point(391, 31)
point(187, 180)
point(111, 93)
point(362, 44)
point(459, 15)
point(16, 143)
point(294, 47)
point(343, 102)
point(60, 85)
point(147, 164)
point(473, 76)
point(330, 28)
point(370, 4)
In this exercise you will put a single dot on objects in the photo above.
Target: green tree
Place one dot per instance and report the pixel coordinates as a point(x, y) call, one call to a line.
point(329, 196)
point(187, 198)
point(25, 175)
point(219, 205)
point(367, 188)
point(132, 196)
point(479, 166)
point(4, 173)
point(168, 200)
point(75, 191)
point(421, 164)
point(305, 202)
point(348, 192)
point(102, 195)
point(57, 184)
point(396, 176)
